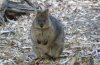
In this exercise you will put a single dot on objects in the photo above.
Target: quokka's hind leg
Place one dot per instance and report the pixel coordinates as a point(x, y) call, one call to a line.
point(55, 51)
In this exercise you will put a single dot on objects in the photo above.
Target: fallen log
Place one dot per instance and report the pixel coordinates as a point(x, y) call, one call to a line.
point(16, 9)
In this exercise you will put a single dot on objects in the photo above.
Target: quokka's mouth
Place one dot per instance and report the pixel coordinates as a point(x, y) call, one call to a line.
point(42, 28)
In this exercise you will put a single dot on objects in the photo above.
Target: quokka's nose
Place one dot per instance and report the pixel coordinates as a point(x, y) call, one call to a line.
point(41, 25)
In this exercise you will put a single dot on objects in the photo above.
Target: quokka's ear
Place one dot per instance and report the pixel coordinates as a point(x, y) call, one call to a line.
point(46, 11)
point(43, 12)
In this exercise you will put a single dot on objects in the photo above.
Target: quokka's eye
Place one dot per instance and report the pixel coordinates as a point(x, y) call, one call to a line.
point(45, 43)
point(39, 42)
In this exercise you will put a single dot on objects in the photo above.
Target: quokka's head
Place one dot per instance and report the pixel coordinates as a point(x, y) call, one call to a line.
point(42, 19)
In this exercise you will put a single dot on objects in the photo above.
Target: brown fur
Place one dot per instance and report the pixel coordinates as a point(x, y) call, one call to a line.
point(47, 35)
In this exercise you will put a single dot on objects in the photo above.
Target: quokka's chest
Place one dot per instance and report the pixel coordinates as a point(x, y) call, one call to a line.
point(44, 34)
